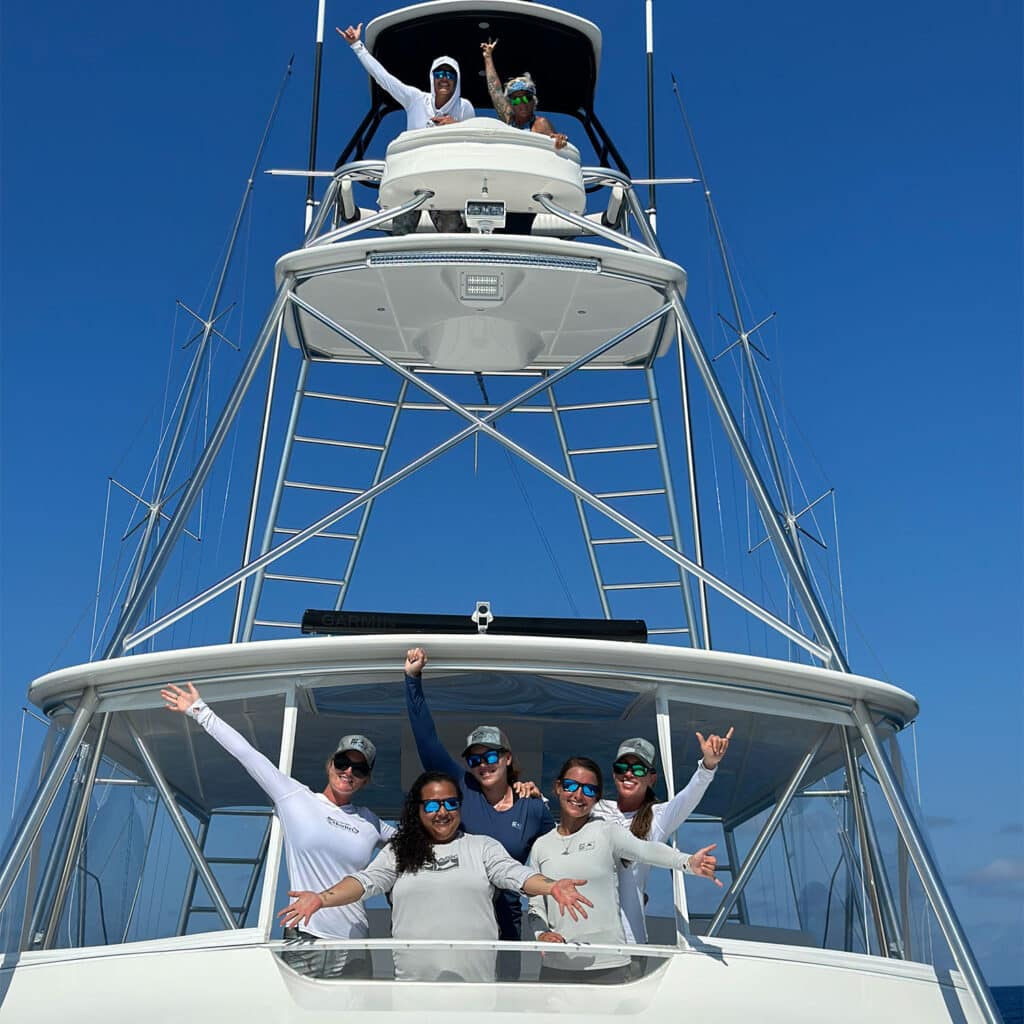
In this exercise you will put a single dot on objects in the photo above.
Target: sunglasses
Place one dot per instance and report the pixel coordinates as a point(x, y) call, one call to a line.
point(516, 100)
point(449, 803)
point(442, 74)
point(360, 769)
point(636, 770)
point(487, 757)
point(571, 785)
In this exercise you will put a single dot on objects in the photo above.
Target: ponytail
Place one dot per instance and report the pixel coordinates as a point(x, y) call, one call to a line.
point(640, 826)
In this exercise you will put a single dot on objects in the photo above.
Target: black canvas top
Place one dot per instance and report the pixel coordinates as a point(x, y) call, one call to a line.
point(560, 57)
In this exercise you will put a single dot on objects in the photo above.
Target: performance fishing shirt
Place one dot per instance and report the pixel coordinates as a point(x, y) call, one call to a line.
point(450, 899)
point(515, 828)
point(323, 842)
point(419, 105)
point(667, 817)
point(593, 853)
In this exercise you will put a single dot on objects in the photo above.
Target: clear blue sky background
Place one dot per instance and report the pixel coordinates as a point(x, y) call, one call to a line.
point(866, 161)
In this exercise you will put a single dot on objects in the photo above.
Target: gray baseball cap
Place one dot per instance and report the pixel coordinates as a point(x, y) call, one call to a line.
point(641, 748)
point(486, 736)
point(361, 745)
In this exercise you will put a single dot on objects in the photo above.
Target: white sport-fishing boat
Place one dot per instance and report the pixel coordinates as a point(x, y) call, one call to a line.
point(143, 837)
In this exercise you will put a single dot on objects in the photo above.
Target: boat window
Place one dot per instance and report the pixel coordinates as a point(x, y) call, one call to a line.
point(131, 877)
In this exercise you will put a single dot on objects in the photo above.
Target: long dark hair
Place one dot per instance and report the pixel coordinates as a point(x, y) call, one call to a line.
point(412, 844)
point(587, 765)
point(640, 826)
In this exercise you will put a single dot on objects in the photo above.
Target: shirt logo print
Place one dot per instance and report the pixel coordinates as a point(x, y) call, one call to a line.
point(444, 863)
point(342, 824)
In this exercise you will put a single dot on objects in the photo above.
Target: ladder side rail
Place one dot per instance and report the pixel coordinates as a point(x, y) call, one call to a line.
point(190, 881)
point(378, 475)
point(257, 477)
point(275, 501)
point(673, 511)
point(580, 511)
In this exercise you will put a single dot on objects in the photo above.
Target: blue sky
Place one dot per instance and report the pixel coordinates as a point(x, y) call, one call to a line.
point(866, 163)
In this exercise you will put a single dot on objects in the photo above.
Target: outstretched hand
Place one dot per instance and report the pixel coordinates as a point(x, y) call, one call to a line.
point(713, 749)
point(351, 35)
point(488, 48)
point(177, 699)
point(703, 863)
point(569, 900)
point(415, 659)
point(298, 913)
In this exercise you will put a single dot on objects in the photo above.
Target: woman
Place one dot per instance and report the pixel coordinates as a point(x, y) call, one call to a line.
point(442, 882)
point(326, 835)
point(635, 808)
point(494, 802)
point(592, 848)
point(516, 102)
point(441, 104)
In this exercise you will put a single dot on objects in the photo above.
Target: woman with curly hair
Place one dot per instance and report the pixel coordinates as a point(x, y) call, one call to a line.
point(442, 883)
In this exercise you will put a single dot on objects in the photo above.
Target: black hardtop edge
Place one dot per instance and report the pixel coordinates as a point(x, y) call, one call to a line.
point(360, 623)
point(560, 58)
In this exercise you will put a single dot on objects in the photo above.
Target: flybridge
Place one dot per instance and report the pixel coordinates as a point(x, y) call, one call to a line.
point(349, 623)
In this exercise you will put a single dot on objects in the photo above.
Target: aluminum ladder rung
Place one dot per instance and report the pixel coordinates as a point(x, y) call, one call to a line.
point(331, 443)
point(612, 449)
point(251, 861)
point(667, 538)
point(213, 910)
point(277, 625)
point(640, 493)
point(353, 399)
point(323, 487)
point(618, 404)
point(285, 577)
point(288, 531)
point(670, 629)
point(640, 586)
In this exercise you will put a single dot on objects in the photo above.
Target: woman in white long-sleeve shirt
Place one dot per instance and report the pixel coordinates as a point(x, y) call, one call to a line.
point(326, 835)
point(635, 808)
point(440, 104)
point(588, 847)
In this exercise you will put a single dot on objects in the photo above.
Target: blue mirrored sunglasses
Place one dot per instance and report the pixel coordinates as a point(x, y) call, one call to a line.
point(443, 73)
point(450, 803)
point(487, 757)
point(571, 785)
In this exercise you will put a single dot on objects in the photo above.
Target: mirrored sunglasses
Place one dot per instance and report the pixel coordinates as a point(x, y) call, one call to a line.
point(625, 768)
point(445, 74)
point(449, 803)
point(487, 757)
point(360, 769)
point(523, 97)
point(571, 785)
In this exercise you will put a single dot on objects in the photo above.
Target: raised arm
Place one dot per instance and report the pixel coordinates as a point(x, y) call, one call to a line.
point(433, 756)
point(405, 94)
point(673, 813)
point(501, 104)
point(268, 776)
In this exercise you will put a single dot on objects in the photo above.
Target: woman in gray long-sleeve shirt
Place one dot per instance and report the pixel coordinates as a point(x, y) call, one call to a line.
point(593, 849)
point(442, 883)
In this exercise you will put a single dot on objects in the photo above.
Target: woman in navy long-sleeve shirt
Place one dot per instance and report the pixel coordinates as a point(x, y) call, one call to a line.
point(490, 805)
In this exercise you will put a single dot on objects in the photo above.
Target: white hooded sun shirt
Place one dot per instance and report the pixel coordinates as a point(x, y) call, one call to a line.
point(419, 105)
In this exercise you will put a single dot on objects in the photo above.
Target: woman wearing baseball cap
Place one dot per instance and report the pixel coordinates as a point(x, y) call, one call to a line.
point(636, 808)
point(494, 801)
point(326, 835)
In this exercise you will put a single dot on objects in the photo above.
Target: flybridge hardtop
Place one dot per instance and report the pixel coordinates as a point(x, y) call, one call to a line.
point(562, 51)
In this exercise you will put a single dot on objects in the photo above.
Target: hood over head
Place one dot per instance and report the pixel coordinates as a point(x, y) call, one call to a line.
point(456, 96)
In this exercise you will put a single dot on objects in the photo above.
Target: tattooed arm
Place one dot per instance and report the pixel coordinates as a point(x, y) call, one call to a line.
point(501, 104)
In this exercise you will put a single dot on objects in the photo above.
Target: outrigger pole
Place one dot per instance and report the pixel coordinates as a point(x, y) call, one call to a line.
point(649, 20)
point(159, 497)
point(314, 120)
